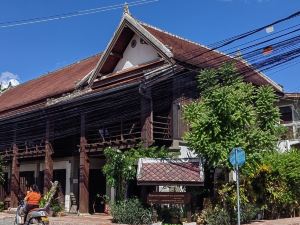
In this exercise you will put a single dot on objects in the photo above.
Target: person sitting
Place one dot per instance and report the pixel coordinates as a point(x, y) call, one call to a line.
point(32, 199)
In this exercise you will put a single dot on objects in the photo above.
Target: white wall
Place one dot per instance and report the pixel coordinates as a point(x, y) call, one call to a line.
point(141, 53)
point(185, 152)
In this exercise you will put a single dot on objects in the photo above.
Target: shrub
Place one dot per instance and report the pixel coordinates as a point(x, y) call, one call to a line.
point(215, 216)
point(248, 213)
point(1, 206)
point(130, 211)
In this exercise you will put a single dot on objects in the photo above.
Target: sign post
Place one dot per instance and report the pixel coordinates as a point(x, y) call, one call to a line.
point(237, 158)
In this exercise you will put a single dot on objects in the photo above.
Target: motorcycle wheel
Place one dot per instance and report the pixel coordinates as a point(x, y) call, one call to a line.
point(37, 222)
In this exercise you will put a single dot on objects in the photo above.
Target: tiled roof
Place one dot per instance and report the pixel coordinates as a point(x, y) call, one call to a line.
point(198, 55)
point(57, 83)
point(175, 171)
point(50, 85)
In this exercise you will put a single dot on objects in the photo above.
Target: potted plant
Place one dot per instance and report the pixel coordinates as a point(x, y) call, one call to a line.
point(175, 215)
point(103, 200)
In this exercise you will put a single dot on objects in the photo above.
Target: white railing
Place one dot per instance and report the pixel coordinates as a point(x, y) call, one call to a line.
point(293, 130)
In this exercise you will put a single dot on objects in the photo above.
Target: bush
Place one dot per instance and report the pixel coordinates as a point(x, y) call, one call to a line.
point(130, 211)
point(215, 216)
point(248, 213)
point(1, 206)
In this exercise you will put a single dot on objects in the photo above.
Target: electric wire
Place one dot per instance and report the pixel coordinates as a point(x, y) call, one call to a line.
point(126, 103)
point(9, 24)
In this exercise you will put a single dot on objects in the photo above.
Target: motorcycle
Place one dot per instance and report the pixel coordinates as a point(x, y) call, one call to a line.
point(39, 216)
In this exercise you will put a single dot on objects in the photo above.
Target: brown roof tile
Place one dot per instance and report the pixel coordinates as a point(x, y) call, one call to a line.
point(47, 86)
point(198, 55)
point(169, 171)
point(64, 80)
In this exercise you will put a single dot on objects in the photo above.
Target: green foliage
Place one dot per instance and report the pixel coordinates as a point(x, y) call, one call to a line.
point(2, 179)
point(276, 183)
point(130, 212)
point(120, 166)
point(215, 216)
point(1, 206)
point(45, 199)
point(248, 213)
point(231, 113)
point(228, 199)
point(171, 214)
point(55, 205)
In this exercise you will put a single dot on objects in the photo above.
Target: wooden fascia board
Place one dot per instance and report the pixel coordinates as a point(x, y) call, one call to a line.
point(128, 21)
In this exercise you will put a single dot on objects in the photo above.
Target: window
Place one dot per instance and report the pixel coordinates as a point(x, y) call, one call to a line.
point(286, 114)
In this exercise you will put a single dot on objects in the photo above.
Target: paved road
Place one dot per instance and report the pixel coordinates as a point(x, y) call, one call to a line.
point(8, 219)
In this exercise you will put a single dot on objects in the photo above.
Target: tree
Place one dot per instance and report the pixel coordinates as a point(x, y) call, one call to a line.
point(231, 113)
point(120, 165)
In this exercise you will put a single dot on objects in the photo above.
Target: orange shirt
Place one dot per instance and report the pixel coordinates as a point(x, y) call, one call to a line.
point(33, 198)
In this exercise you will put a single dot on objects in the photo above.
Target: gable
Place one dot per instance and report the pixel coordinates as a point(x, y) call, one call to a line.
point(136, 53)
point(118, 56)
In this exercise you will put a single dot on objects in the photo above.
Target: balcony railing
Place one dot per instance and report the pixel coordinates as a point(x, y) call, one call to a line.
point(123, 135)
point(293, 130)
point(162, 128)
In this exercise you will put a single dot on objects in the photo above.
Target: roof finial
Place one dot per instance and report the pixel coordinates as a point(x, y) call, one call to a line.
point(239, 54)
point(126, 8)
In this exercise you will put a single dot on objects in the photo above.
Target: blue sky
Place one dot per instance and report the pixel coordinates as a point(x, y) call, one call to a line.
point(29, 51)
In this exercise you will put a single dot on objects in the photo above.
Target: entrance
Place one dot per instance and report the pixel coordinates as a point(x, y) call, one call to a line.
point(97, 188)
point(26, 180)
point(60, 176)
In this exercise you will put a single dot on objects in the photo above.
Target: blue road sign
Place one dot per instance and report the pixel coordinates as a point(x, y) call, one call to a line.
point(237, 157)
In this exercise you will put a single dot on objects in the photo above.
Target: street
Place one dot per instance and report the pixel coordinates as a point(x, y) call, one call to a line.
point(8, 219)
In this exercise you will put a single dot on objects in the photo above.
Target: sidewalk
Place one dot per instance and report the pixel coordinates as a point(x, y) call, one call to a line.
point(289, 221)
point(101, 219)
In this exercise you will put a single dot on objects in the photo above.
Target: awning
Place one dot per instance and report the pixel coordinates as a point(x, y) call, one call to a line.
point(188, 172)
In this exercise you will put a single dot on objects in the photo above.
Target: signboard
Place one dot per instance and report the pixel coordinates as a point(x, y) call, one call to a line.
point(237, 157)
point(183, 198)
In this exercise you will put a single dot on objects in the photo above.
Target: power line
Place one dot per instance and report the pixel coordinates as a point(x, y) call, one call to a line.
point(9, 24)
point(228, 41)
point(126, 101)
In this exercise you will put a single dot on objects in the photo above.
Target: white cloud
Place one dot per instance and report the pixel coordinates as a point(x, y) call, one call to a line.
point(8, 77)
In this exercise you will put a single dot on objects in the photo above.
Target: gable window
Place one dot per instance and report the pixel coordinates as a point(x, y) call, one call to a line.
point(286, 114)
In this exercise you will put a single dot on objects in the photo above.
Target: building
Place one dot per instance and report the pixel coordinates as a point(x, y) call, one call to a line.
point(56, 126)
point(289, 106)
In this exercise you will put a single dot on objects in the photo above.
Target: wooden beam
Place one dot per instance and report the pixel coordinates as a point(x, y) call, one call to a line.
point(147, 118)
point(116, 54)
point(84, 171)
point(48, 167)
point(15, 178)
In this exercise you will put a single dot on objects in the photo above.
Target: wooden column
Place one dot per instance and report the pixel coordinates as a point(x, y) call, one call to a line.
point(15, 178)
point(48, 167)
point(147, 118)
point(84, 171)
point(175, 110)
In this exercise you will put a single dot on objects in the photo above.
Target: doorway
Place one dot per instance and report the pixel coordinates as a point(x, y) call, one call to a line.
point(26, 180)
point(97, 188)
point(60, 176)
